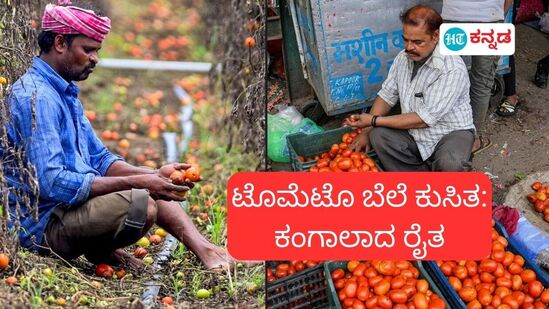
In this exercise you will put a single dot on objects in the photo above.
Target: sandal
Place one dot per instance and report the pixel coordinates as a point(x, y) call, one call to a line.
point(485, 143)
point(506, 109)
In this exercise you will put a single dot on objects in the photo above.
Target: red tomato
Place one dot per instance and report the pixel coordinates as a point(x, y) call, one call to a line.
point(347, 153)
point(371, 302)
point(341, 295)
point(409, 290)
point(386, 268)
point(496, 301)
point(455, 283)
point(359, 270)
point(363, 293)
point(516, 283)
point(382, 287)
point(471, 268)
point(502, 292)
point(528, 275)
point(519, 260)
point(446, 268)
point(282, 266)
point(514, 268)
point(498, 255)
point(484, 297)
point(422, 286)
point(339, 284)
point(398, 296)
point(357, 304)
point(508, 259)
point(487, 277)
point(535, 288)
point(475, 304)
point(397, 282)
point(281, 274)
point(337, 274)
point(504, 282)
point(511, 301)
point(488, 265)
point(460, 272)
point(350, 289)
point(420, 301)
point(384, 302)
point(467, 294)
point(351, 265)
point(356, 156)
point(437, 303)
point(545, 296)
point(348, 302)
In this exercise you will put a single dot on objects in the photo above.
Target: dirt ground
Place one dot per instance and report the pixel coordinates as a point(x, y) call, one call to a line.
point(520, 143)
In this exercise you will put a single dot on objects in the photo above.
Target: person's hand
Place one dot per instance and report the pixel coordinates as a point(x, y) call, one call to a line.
point(358, 121)
point(361, 142)
point(168, 169)
point(162, 188)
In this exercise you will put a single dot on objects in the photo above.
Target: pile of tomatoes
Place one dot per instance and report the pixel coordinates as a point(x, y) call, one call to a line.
point(285, 269)
point(341, 158)
point(540, 199)
point(383, 284)
point(499, 281)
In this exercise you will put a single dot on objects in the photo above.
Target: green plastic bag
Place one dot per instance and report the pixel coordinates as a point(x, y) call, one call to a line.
point(277, 130)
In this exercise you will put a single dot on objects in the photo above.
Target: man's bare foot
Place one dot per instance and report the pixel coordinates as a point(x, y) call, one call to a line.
point(128, 260)
point(219, 259)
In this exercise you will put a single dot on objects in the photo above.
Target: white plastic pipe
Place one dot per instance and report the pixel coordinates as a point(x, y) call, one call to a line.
point(131, 64)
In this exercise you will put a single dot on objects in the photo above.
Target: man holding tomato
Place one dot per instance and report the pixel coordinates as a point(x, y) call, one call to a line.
point(90, 202)
point(435, 130)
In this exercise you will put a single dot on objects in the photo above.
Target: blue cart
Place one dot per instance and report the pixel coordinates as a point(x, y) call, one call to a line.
point(338, 53)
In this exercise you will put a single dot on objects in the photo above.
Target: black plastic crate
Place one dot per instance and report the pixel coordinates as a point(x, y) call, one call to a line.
point(308, 145)
point(305, 289)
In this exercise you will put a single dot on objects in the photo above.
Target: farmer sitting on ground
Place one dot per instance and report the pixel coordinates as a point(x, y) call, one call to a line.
point(90, 202)
point(435, 130)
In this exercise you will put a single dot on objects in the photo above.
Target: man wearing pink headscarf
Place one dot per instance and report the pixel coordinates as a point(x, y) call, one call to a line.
point(91, 202)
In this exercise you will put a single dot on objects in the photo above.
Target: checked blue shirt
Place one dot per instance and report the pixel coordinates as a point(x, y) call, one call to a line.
point(62, 146)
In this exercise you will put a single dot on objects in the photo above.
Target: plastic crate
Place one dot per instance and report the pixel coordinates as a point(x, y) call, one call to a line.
point(304, 289)
point(452, 296)
point(334, 300)
point(308, 145)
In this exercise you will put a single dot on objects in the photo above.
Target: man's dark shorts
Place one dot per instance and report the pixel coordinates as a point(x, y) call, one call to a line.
point(99, 226)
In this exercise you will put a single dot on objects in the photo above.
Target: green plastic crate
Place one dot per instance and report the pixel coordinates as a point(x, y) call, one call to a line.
point(333, 265)
point(308, 145)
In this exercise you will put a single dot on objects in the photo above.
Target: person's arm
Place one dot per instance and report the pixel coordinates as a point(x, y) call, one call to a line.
point(506, 6)
point(403, 121)
point(122, 168)
point(43, 148)
point(439, 98)
point(159, 186)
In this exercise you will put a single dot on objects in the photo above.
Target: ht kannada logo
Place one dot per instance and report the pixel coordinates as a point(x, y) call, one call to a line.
point(455, 39)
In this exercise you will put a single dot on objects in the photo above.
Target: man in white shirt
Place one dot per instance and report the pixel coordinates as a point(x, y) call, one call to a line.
point(483, 68)
point(435, 130)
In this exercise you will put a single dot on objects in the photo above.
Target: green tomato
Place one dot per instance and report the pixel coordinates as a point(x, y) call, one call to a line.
point(202, 293)
point(48, 272)
point(143, 242)
point(148, 260)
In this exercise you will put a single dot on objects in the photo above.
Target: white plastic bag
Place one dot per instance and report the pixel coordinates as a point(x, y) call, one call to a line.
point(544, 22)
